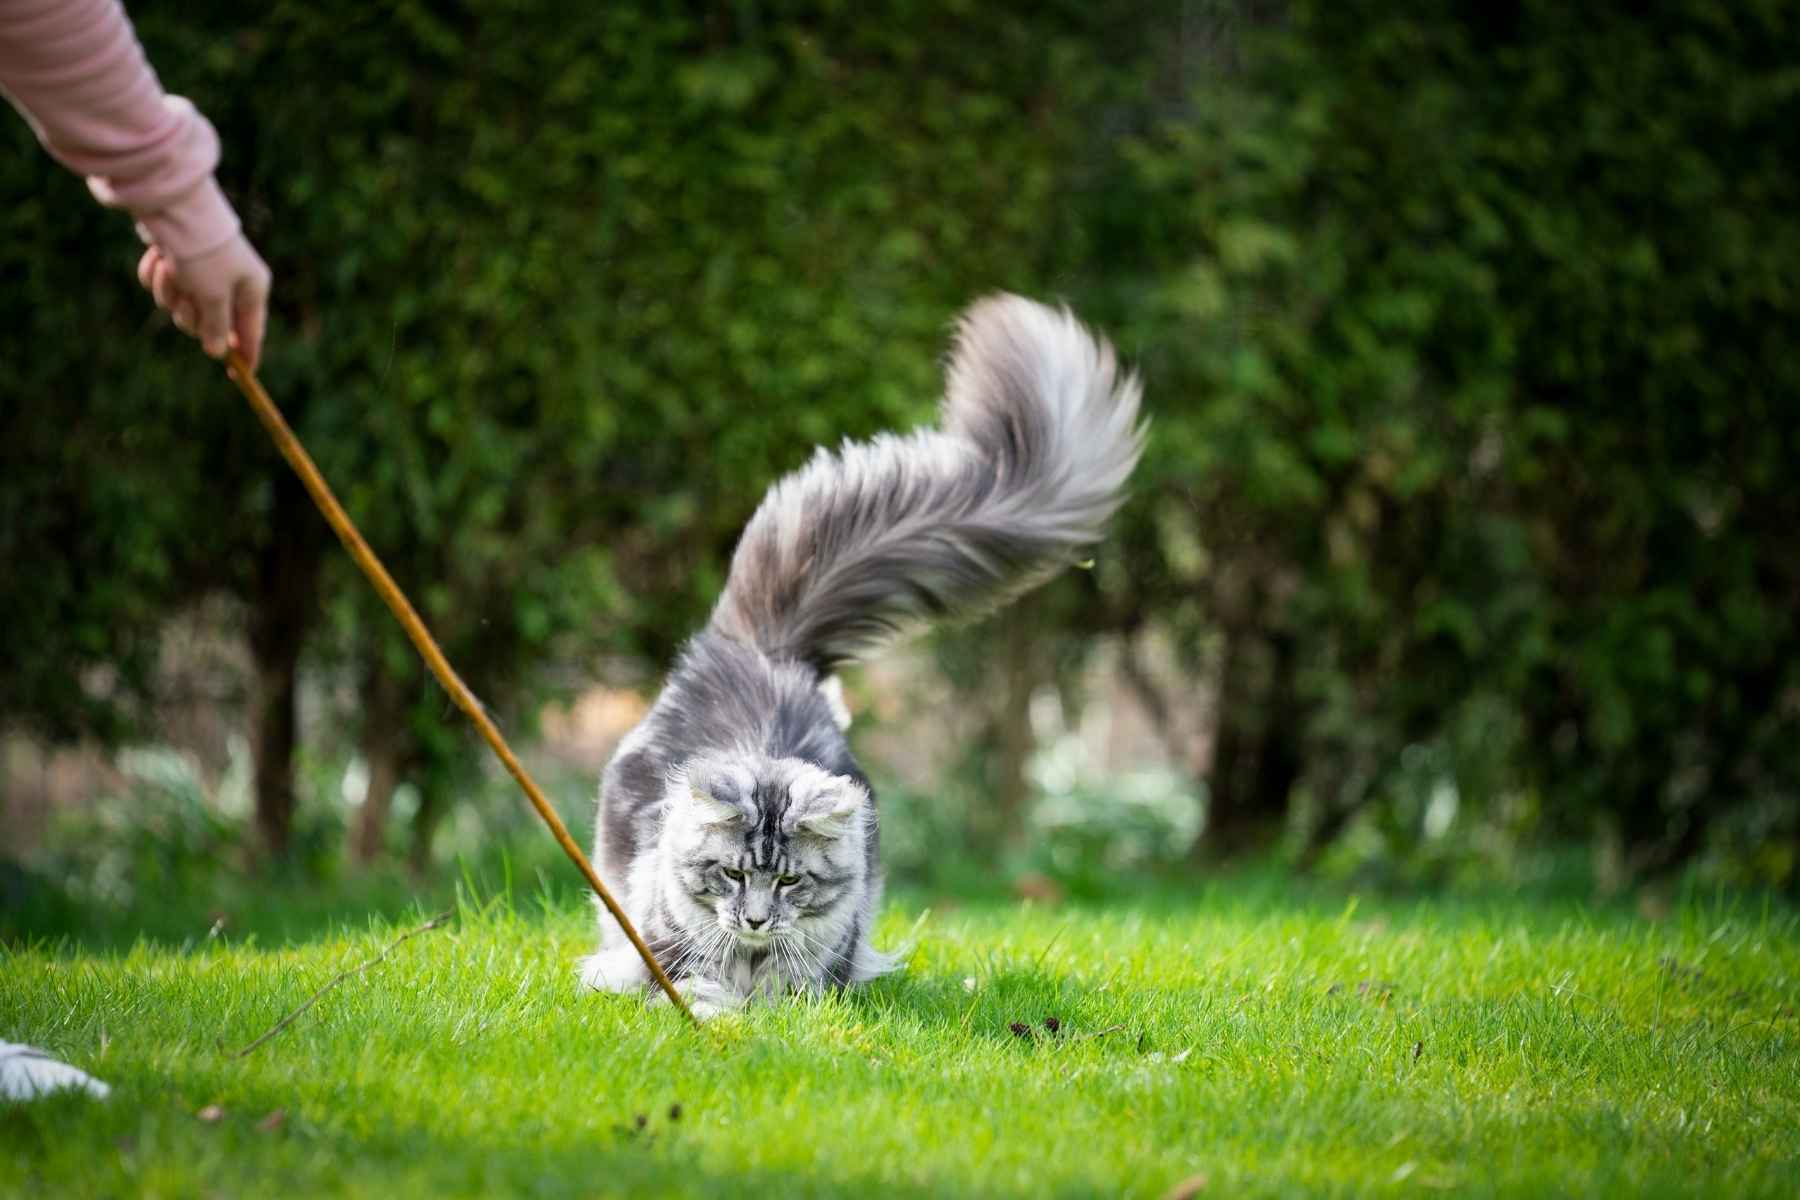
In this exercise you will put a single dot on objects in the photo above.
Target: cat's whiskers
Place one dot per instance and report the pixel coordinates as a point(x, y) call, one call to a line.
point(784, 961)
point(802, 972)
point(701, 950)
point(817, 944)
point(805, 974)
point(806, 961)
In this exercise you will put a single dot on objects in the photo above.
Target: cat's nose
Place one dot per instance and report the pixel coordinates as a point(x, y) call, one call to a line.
point(755, 922)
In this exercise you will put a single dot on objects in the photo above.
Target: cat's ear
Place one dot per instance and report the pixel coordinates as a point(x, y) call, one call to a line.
point(718, 795)
point(829, 812)
point(712, 810)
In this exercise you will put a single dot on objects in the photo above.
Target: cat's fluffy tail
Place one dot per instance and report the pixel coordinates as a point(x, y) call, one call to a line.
point(1038, 435)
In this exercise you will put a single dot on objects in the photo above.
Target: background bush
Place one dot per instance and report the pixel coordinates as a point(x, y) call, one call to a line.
point(1467, 333)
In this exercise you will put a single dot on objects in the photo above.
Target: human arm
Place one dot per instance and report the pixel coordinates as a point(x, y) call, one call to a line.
point(75, 69)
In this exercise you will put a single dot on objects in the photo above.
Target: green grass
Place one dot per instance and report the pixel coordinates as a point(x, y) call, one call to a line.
point(1275, 1040)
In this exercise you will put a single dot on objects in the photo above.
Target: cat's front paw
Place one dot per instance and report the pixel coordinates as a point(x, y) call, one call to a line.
point(707, 998)
point(616, 970)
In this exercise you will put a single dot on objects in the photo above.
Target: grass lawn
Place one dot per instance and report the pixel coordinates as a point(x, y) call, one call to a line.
point(1272, 1039)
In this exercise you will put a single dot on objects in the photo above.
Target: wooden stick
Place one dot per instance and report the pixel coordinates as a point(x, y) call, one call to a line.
point(346, 973)
point(396, 600)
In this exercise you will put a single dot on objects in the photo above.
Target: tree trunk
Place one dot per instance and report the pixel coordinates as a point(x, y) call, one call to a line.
point(425, 822)
point(1021, 655)
point(386, 751)
point(285, 600)
point(368, 838)
point(1256, 759)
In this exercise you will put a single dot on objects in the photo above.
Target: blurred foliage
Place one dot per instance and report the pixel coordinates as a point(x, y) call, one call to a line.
point(560, 288)
point(1467, 330)
point(164, 855)
point(1482, 324)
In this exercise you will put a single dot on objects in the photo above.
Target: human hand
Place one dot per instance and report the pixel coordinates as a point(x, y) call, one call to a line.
point(220, 297)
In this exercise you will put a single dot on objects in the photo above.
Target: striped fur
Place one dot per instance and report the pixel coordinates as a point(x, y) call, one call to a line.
point(734, 820)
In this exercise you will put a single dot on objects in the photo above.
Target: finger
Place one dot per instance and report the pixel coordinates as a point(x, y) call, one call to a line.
point(147, 265)
point(250, 313)
point(162, 285)
point(215, 327)
point(187, 317)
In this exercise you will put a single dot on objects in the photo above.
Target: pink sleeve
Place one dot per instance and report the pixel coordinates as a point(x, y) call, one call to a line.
point(75, 69)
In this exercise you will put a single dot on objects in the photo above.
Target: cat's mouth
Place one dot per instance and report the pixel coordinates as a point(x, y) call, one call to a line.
point(755, 938)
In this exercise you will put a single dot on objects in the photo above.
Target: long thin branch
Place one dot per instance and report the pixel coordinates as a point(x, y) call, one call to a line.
point(427, 646)
point(340, 977)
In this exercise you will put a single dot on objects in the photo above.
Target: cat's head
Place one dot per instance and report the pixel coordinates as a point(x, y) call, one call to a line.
point(763, 844)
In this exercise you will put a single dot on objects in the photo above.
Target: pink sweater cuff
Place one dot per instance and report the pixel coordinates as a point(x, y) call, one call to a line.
point(189, 226)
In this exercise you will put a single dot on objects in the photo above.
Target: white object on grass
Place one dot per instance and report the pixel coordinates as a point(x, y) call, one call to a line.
point(27, 1073)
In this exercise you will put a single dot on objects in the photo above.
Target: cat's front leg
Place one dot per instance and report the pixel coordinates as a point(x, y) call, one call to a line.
point(618, 969)
point(706, 998)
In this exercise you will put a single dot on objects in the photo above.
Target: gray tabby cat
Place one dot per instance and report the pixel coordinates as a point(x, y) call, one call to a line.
point(735, 825)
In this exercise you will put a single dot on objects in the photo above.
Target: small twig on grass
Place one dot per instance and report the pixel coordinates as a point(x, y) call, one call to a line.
point(1098, 1033)
point(340, 977)
point(1049, 946)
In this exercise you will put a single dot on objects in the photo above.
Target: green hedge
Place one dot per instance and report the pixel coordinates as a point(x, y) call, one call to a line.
point(1485, 320)
point(1468, 333)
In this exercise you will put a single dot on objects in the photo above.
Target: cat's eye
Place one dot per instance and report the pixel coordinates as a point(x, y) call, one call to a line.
point(733, 874)
point(787, 880)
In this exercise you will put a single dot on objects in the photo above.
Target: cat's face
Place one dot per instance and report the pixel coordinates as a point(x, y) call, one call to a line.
point(764, 845)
